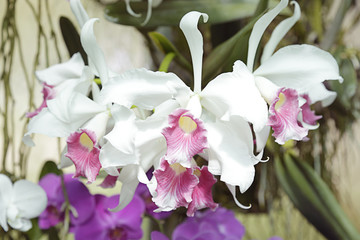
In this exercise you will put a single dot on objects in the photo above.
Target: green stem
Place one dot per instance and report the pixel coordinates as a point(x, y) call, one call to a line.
point(164, 66)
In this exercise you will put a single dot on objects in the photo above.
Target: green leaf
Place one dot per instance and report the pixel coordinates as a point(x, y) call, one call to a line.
point(314, 199)
point(169, 13)
point(166, 47)
point(346, 90)
point(49, 167)
point(71, 38)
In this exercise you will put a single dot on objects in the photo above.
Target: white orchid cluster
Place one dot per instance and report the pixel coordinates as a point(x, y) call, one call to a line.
point(140, 119)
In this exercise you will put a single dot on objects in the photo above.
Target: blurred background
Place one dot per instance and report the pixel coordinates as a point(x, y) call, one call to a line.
point(32, 39)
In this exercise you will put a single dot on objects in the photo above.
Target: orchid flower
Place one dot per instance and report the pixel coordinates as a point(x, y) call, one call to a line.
point(69, 75)
point(289, 81)
point(216, 107)
point(19, 202)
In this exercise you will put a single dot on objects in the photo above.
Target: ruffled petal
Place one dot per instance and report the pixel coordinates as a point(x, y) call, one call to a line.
point(235, 93)
point(84, 153)
point(202, 195)
point(48, 94)
point(231, 145)
point(185, 137)
point(308, 116)
point(175, 185)
point(128, 89)
point(109, 181)
point(259, 29)
point(280, 31)
point(188, 25)
point(284, 112)
point(299, 67)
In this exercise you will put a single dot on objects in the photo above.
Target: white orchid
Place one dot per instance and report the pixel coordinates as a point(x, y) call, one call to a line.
point(19, 202)
point(217, 106)
point(289, 81)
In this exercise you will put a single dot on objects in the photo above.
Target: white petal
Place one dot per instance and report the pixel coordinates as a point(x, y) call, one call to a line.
point(62, 72)
point(142, 88)
point(237, 94)
point(74, 108)
point(21, 224)
point(259, 29)
point(123, 134)
point(29, 198)
point(299, 67)
point(128, 177)
point(95, 54)
point(261, 138)
point(188, 25)
point(6, 192)
point(318, 92)
point(79, 12)
point(47, 124)
point(64, 161)
point(232, 189)
point(279, 32)
point(231, 143)
point(112, 157)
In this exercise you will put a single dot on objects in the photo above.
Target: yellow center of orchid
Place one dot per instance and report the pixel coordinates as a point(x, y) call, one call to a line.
point(281, 101)
point(86, 141)
point(177, 168)
point(197, 172)
point(187, 124)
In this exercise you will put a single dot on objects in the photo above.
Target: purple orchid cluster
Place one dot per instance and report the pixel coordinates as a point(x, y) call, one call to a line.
point(90, 217)
point(209, 225)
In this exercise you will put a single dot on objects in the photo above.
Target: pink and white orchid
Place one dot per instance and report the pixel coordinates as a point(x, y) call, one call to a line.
point(212, 106)
point(289, 80)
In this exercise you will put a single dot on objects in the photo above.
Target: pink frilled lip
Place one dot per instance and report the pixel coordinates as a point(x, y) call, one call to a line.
point(185, 137)
point(175, 185)
point(283, 119)
point(308, 116)
point(202, 195)
point(178, 186)
point(84, 153)
point(48, 94)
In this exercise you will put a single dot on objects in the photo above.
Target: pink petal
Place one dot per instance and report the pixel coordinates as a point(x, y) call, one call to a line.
point(175, 185)
point(185, 137)
point(202, 195)
point(48, 94)
point(284, 111)
point(109, 181)
point(308, 116)
point(84, 154)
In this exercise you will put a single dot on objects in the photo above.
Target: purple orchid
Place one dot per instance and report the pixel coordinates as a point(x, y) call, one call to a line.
point(106, 225)
point(210, 225)
point(80, 199)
